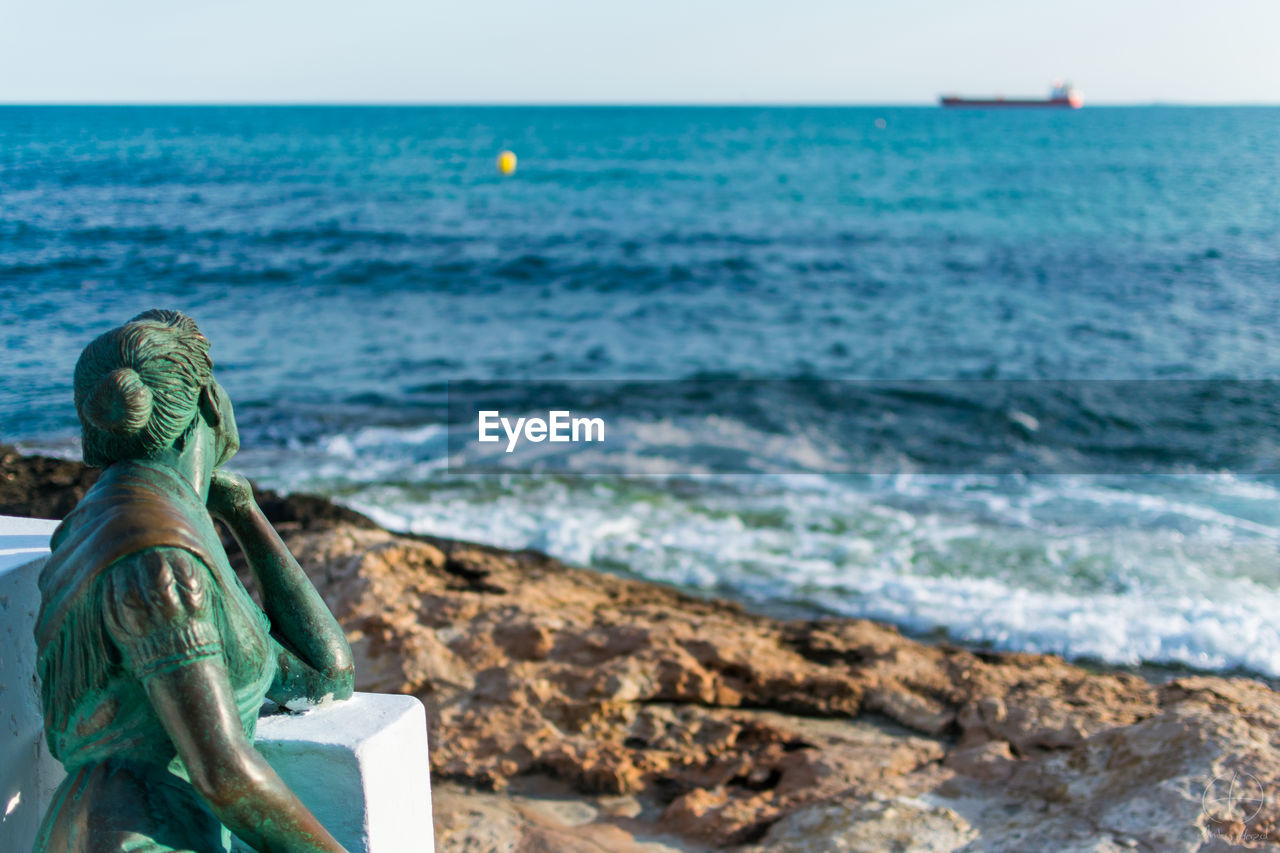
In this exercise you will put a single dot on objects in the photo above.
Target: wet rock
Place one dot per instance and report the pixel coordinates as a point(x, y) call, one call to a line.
point(36, 486)
point(41, 486)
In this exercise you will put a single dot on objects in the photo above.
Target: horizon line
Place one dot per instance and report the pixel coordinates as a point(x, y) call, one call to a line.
point(593, 104)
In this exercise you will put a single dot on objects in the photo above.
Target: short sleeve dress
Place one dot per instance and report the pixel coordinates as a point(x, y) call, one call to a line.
point(137, 586)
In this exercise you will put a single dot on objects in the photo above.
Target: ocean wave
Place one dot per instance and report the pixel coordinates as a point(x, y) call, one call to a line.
point(987, 564)
point(1171, 569)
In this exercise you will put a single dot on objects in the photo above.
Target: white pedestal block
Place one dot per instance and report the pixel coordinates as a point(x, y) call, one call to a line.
point(362, 768)
point(28, 773)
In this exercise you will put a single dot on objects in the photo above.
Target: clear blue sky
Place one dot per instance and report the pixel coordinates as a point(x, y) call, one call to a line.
point(649, 51)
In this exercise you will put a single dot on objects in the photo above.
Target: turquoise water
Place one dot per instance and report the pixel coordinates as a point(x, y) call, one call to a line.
point(346, 262)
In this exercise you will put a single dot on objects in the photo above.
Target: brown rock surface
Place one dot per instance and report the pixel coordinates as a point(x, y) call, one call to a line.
point(576, 711)
point(733, 729)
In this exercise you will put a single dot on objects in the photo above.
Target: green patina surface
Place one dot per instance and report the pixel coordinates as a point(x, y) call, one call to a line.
point(153, 658)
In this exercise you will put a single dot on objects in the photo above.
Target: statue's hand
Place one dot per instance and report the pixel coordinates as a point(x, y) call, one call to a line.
point(230, 496)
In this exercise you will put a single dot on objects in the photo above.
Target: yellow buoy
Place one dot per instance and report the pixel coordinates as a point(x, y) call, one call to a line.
point(507, 162)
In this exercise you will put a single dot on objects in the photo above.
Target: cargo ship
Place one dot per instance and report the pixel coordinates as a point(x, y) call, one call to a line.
point(1061, 95)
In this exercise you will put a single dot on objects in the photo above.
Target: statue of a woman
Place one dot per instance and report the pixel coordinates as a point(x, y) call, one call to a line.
point(154, 659)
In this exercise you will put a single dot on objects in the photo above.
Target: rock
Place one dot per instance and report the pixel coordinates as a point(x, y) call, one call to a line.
point(1150, 784)
point(736, 729)
point(990, 762)
point(855, 826)
point(471, 822)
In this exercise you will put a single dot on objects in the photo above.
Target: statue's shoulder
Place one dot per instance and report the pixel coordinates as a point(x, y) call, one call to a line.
point(130, 510)
point(158, 609)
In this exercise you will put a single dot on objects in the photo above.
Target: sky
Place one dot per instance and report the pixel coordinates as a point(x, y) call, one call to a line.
point(656, 51)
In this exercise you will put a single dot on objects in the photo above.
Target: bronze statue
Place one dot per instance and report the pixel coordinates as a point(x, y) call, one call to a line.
point(153, 657)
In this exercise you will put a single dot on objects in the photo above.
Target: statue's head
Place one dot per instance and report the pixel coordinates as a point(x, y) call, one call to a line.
point(142, 389)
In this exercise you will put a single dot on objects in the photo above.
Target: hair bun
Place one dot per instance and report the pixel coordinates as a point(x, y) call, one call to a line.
point(120, 403)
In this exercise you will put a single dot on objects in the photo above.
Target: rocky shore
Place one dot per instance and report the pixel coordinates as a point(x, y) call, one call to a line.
point(576, 711)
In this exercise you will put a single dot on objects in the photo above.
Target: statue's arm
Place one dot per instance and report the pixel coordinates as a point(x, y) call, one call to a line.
point(316, 658)
point(196, 707)
point(159, 612)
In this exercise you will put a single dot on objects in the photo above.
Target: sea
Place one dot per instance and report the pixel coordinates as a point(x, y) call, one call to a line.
point(1004, 378)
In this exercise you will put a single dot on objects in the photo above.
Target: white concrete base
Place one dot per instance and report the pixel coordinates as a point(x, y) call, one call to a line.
point(28, 773)
point(362, 768)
